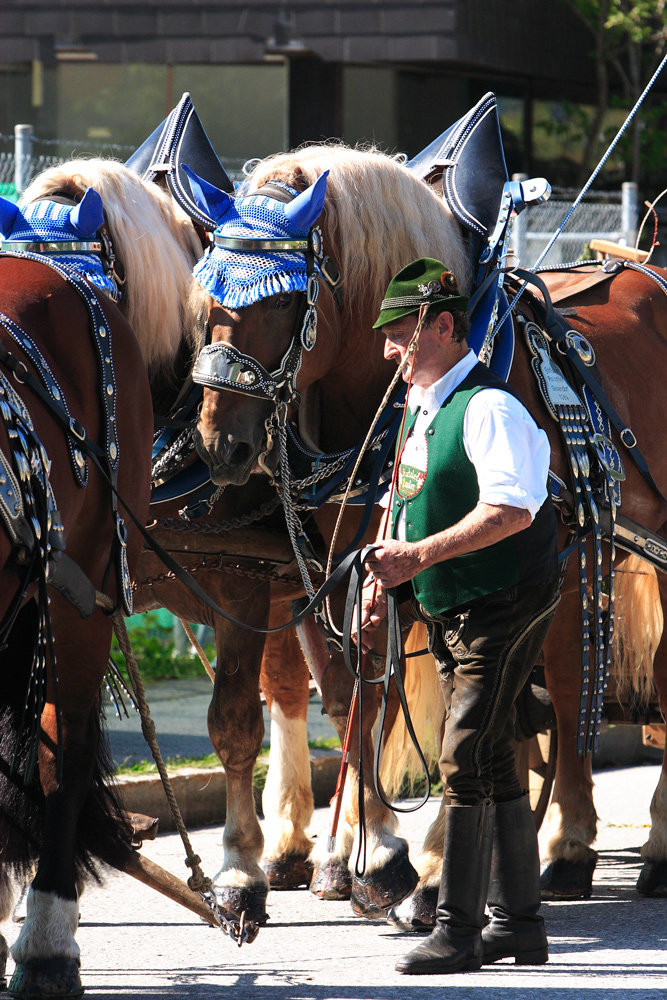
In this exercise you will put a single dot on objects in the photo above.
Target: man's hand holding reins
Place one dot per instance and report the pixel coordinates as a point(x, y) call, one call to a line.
point(373, 611)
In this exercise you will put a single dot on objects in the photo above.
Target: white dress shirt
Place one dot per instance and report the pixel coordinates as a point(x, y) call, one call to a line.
point(509, 451)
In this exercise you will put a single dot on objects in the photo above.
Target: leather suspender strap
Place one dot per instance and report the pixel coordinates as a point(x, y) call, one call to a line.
point(558, 330)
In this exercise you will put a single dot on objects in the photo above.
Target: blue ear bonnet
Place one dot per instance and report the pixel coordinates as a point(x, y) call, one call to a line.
point(49, 221)
point(238, 278)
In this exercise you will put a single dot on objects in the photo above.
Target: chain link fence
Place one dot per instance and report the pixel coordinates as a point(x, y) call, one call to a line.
point(611, 216)
point(25, 155)
point(608, 215)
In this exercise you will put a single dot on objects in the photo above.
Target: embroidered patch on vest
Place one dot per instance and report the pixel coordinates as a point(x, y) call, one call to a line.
point(410, 481)
point(412, 474)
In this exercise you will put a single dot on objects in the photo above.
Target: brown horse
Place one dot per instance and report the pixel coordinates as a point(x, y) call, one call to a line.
point(624, 320)
point(341, 382)
point(55, 806)
point(242, 556)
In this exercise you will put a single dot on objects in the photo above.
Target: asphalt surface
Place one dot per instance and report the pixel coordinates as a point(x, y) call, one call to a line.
point(137, 944)
point(178, 709)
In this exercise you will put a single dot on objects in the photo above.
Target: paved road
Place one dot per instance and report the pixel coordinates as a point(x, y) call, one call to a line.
point(179, 709)
point(137, 944)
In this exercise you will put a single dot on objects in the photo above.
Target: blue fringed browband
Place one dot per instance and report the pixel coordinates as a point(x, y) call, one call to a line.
point(240, 277)
point(48, 222)
point(263, 247)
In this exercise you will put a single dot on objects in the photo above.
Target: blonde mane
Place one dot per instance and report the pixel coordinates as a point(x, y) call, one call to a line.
point(377, 217)
point(155, 242)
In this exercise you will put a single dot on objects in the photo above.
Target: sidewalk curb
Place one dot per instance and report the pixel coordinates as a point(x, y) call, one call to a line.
point(201, 793)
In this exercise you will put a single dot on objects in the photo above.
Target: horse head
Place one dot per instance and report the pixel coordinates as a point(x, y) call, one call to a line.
point(154, 243)
point(273, 341)
point(261, 277)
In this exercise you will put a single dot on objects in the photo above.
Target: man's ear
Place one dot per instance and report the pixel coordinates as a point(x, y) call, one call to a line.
point(445, 323)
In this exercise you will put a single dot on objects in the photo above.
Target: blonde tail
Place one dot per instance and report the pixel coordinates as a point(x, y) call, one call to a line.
point(424, 697)
point(637, 631)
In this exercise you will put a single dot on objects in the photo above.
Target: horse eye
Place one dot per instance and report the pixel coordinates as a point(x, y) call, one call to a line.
point(283, 301)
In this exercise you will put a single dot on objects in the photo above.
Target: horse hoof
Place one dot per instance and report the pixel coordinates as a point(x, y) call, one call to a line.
point(374, 894)
point(417, 914)
point(43, 978)
point(289, 872)
point(562, 879)
point(235, 901)
point(652, 879)
point(331, 880)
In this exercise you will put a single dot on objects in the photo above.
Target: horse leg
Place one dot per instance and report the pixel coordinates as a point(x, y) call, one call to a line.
point(6, 906)
point(652, 879)
point(287, 800)
point(571, 823)
point(236, 729)
point(45, 952)
point(331, 877)
point(378, 861)
point(418, 911)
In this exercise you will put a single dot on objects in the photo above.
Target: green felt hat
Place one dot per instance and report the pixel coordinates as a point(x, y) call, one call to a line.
point(424, 281)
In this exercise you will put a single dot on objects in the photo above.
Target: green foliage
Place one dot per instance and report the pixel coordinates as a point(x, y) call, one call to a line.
point(638, 20)
point(634, 20)
point(628, 41)
point(154, 649)
point(171, 763)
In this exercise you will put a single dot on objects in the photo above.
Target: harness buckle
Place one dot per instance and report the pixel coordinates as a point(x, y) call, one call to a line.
point(631, 441)
point(77, 429)
point(121, 531)
point(330, 272)
point(24, 371)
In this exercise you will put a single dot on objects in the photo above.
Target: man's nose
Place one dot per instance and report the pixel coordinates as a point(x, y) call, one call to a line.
point(390, 350)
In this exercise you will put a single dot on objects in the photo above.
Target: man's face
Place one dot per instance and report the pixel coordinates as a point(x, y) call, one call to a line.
point(431, 359)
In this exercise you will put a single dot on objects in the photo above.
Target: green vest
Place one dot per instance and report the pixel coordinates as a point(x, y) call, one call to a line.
point(449, 492)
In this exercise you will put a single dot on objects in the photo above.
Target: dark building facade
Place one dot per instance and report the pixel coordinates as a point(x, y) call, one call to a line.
point(265, 76)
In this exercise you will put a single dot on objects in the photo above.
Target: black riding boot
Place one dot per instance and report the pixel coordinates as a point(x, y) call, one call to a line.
point(455, 945)
point(516, 929)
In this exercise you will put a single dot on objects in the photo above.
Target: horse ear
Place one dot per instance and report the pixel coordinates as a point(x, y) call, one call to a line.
point(307, 207)
point(88, 215)
point(211, 200)
point(8, 213)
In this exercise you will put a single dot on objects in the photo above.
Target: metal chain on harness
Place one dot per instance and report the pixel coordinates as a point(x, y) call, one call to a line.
point(292, 520)
point(217, 527)
point(240, 931)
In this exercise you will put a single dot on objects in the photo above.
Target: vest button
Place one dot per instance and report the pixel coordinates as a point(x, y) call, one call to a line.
point(431, 430)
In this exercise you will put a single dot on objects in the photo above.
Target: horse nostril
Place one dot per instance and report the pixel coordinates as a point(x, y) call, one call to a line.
point(239, 454)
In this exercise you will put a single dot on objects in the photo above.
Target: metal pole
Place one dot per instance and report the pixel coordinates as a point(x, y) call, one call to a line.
point(629, 213)
point(22, 156)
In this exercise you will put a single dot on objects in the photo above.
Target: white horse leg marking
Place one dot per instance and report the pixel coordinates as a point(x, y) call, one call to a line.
point(655, 848)
point(242, 839)
point(6, 904)
point(288, 798)
point(49, 928)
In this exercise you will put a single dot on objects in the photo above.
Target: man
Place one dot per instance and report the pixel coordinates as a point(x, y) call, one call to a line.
point(473, 530)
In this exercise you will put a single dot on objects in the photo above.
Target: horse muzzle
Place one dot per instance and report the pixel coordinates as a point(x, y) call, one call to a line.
point(231, 461)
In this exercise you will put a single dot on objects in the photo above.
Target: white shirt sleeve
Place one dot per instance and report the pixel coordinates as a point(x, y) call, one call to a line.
point(509, 451)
